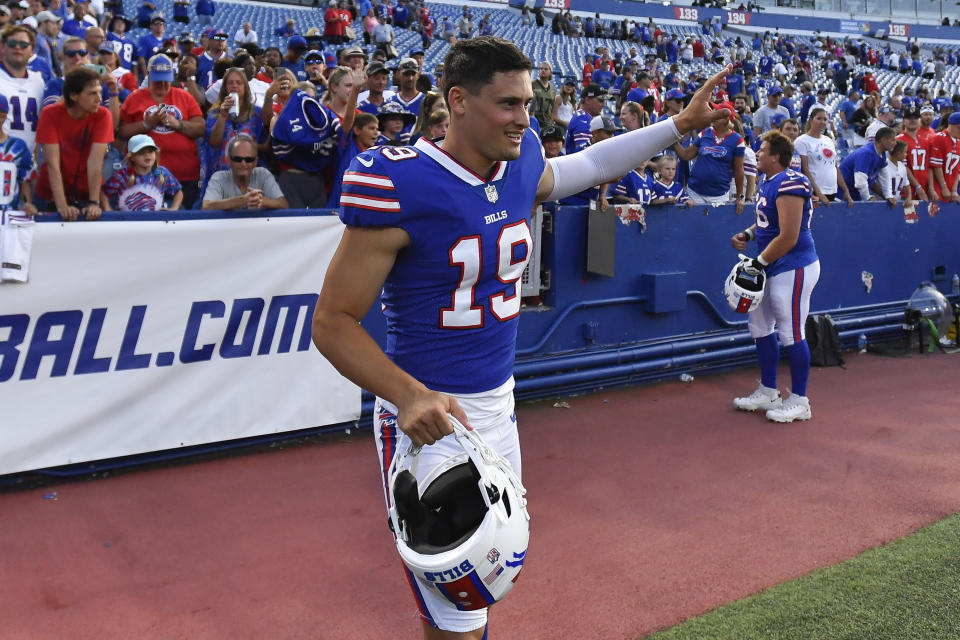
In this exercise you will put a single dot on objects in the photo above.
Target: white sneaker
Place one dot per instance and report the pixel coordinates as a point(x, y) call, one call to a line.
point(763, 398)
point(794, 408)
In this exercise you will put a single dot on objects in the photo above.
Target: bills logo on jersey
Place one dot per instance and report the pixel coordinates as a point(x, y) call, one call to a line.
point(141, 197)
point(715, 151)
point(170, 109)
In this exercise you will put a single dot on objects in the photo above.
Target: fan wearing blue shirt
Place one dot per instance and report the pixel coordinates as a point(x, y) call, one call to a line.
point(861, 168)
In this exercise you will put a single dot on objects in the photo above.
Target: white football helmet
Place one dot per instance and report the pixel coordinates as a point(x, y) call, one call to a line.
point(464, 529)
point(743, 290)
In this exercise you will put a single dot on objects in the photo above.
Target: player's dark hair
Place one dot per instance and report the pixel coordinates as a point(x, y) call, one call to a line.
point(780, 147)
point(883, 133)
point(472, 63)
point(76, 81)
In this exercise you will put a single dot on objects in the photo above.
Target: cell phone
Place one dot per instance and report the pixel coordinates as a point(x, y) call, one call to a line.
point(161, 108)
point(99, 68)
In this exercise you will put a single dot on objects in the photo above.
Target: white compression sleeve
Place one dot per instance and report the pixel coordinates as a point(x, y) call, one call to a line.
point(610, 159)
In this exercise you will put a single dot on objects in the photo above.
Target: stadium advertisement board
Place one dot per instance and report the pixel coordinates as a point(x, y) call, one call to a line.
point(143, 336)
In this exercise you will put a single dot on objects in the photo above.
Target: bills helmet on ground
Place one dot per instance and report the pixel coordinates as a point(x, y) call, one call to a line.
point(743, 288)
point(464, 528)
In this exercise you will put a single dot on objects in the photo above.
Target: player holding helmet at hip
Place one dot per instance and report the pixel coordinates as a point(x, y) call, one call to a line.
point(442, 229)
point(789, 262)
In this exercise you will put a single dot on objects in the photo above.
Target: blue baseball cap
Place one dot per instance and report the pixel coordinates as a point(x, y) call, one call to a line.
point(297, 42)
point(954, 118)
point(4, 107)
point(774, 90)
point(777, 118)
point(161, 68)
point(674, 94)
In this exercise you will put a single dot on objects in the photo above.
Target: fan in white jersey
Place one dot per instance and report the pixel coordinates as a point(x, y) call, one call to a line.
point(22, 87)
point(450, 296)
point(819, 160)
point(893, 177)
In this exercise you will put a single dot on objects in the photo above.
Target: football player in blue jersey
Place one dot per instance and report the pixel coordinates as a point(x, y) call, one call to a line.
point(441, 229)
point(789, 259)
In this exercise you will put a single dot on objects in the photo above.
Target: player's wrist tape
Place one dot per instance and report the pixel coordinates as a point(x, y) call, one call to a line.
point(749, 234)
point(610, 159)
point(762, 262)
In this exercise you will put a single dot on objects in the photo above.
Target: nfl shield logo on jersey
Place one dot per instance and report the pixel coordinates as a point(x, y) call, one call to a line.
point(493, 555)
point(491, 192)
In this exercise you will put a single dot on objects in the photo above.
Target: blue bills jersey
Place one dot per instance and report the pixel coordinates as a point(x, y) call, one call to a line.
point(452, 299)
point(635, 185)
point(672, 190)
point(305, 134)
point(16, 166)
point(785, 183)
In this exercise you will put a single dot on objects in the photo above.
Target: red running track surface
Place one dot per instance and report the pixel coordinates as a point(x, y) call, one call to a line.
point(649, 505)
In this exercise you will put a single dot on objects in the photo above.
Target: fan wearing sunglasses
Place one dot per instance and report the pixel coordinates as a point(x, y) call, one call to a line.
point(244, 185)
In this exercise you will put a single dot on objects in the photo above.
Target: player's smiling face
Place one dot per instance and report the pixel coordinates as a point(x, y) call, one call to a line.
point(496, 116)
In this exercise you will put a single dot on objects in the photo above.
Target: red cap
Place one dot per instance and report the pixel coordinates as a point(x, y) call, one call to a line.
point(725, 105)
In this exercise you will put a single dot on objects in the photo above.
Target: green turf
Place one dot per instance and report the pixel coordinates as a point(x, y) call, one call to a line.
point(908, 589)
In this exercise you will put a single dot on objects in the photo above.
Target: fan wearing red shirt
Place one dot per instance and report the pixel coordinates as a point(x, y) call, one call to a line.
point(174, 128)
point(945, 160)
point(336, 19)
point(918, 153)
point(74, 133)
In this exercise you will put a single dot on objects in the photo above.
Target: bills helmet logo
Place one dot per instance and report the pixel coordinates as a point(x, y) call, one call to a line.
point(828, 153)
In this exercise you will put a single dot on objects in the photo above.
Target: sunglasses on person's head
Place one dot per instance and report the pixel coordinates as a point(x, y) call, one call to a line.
point(75, 52)
point(20, 44)
point(247, 159)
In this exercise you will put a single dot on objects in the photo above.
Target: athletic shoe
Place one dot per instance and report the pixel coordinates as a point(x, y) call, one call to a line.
point(763, 398)
point(794, 408)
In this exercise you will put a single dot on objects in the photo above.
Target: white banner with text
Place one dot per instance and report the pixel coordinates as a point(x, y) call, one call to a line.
point(139, 336)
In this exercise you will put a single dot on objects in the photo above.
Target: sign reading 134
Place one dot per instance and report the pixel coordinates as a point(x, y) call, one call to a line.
point(465, 311)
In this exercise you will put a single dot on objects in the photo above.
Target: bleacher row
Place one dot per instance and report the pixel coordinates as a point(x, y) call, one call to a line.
point(566, 54)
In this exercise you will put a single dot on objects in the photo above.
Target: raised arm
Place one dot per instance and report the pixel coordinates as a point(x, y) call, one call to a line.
point(617, 156)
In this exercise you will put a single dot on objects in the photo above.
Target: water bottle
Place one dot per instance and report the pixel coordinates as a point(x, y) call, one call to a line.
point(862, 343)
point(956, 284)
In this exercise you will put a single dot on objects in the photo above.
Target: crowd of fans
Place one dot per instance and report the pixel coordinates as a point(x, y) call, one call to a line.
point(95, 119)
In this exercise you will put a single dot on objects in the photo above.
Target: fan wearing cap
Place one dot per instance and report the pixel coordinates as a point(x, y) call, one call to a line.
point(601, 128)
point(408, 97)
point(763, 117)
point(927, 116)
point(142, 184)
point(151, 43)
point(886, 116)
point(376, 93)
point(172, 117)
point(16, 79)
point(15, 189)
point(127, 50)
point(293, 58)
point(394, 123)
point(719, 159)
point(354, 57)
point(918, 154)
point(579, 132)
point(441, 229)
point(74, 133)
point(214, 50)
point(945, 160)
